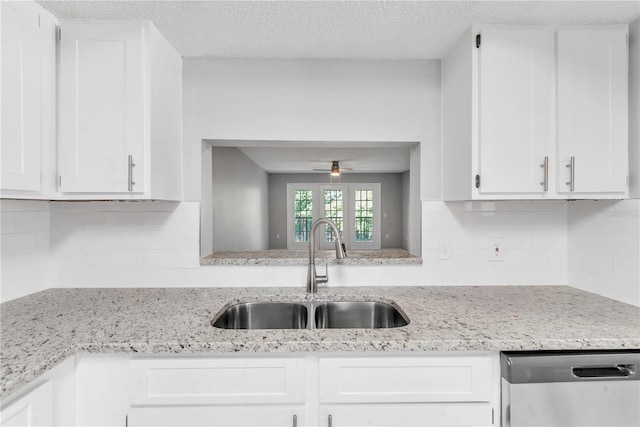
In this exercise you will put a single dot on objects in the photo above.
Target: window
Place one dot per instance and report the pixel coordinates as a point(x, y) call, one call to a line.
point(302, 215)
point(354, 208)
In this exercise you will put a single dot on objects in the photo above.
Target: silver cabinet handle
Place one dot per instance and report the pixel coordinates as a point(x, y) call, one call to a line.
point(572, 179)
point(545, 165)
point(131, 165)
point(295, 421)
point(330, 421)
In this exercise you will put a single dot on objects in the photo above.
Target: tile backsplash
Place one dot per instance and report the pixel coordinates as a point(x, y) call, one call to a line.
point(25, 235)
point(604, 248)
point(589, 245)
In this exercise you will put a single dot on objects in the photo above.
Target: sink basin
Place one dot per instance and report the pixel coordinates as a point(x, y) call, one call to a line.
point(310, 315)
point(357, 314)
point(263, 315)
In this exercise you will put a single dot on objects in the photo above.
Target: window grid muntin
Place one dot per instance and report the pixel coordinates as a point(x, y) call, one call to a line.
point(363, 211)
point(334, 210)
point(302, 215)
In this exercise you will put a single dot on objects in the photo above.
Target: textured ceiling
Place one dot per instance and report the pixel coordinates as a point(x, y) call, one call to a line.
point(336, 29)
point(288, 160)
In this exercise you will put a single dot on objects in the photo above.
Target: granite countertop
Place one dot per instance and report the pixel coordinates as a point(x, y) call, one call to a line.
point(301, 257)
point(40, 330)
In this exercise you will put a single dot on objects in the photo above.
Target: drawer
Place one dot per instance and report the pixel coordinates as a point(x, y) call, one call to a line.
point(160, 381)
point(405, 379)
point(217, 416)
point(407, 414)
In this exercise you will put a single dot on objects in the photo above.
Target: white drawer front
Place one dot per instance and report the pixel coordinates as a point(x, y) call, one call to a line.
point(219, 380)
point(405, 379)
point(213, 416)
point(407, 414)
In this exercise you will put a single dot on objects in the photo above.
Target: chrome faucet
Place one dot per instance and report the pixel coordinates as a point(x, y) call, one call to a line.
point(312, 278)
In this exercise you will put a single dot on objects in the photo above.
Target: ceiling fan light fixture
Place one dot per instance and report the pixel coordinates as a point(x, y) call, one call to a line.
point(335, 168)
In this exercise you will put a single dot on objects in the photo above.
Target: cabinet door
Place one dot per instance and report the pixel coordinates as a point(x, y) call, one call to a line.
point(217, 416)
point(592, 110)
point(101, 106)
point(33, 409)
point(515, 119)
point(20, 96)
point(409, 414)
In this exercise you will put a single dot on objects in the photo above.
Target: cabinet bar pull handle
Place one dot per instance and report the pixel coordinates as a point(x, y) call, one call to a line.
point(295, 421)
point(545, 165)
point(572, 180)
point(131, 165)
point(330, 421)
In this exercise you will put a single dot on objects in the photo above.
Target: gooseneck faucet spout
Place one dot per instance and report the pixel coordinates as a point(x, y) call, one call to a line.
point(312, 278)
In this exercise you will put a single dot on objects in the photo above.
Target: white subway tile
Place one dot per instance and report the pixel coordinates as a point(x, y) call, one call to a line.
point(32, 221)
point(9, 205)
point(167, 259)
point(592, 263)
point(7, 222)
point(122, 220)
point(488, 220)
point(63, 220)
point(627, 267)
point(19, 243)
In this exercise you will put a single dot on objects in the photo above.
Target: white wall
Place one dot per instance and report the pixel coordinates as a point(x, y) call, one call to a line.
point(25, 257)
point(603, 248)
point(311, 100)
point(240, 209)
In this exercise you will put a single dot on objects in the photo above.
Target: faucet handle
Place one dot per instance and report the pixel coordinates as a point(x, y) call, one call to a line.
point(323, 278)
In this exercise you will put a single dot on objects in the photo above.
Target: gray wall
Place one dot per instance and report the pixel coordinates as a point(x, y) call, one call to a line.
point(391, 203)
point(240, 207)
point(406, 206)
point(634, 109)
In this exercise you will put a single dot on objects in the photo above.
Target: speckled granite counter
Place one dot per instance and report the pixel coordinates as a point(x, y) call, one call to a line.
point(301, 257)
point(40, 330)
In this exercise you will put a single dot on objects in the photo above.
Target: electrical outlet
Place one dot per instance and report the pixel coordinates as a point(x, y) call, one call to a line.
point(444, 249)
point(496, 250)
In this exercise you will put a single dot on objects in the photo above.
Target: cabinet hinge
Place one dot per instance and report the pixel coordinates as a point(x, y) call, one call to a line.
point(477, 181)
point(59, 33)
point(478, 40)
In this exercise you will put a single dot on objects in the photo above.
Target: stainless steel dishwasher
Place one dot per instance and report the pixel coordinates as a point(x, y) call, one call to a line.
point(599, 388)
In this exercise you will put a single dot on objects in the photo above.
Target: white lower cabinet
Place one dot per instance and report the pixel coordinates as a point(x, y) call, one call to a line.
point(46, 401)
point(406, 391)
point(318, 390)
point(239, 415)
point(407, 414)
point(35, 408)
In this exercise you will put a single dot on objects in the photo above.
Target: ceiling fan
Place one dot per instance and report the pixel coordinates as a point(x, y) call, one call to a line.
point(335, 170)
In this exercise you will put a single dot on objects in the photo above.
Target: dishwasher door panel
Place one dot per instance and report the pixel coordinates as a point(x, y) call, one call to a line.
point(596, 403)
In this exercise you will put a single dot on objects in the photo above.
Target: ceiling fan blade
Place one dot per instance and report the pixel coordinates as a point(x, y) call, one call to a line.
point(322, 170)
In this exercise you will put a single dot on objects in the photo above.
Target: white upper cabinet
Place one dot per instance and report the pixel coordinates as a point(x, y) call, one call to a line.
point(515, 97)
point(21, 65)
point(520, 102)
point(592, 111)
point(101, 118)
point(119, 120)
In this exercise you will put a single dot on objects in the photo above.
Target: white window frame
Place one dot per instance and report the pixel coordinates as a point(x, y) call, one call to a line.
point(349, 224)
point(291, 188)
point(376, 243)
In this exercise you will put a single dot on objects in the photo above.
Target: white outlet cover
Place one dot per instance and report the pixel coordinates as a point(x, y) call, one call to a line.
point(496, 249)
point(444, 249)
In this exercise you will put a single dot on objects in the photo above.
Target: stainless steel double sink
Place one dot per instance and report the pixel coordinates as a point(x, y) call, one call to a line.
point(310, 315)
